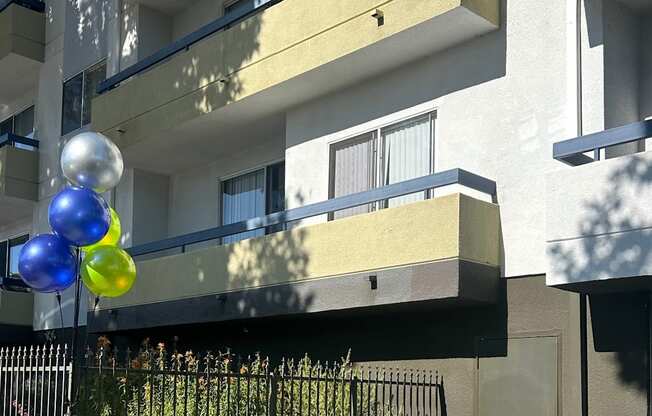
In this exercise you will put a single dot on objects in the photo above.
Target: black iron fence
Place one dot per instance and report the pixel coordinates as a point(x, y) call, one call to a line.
point(39, 381)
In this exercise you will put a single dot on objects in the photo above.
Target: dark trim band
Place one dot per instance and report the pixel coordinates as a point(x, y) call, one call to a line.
point(450, 282)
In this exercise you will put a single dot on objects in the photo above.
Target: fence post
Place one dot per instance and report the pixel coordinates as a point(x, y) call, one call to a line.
point(273, 387)
point(353, 392)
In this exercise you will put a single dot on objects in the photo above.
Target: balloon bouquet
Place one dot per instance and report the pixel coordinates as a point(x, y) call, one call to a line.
point(82, 221)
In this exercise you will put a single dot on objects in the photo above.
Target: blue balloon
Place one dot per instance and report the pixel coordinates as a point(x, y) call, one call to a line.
point(47, 264)
point(79, 215)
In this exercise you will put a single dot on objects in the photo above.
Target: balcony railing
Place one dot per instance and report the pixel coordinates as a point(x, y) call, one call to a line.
point(424, 183)
point(572, 151)
point(35, 5)
point(184, 43)
point(13, 284)
point(10, 139)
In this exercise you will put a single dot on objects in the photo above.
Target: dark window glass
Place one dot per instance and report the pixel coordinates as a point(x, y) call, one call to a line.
point(3, 258)
point(275, 192)
point(15, 245)
point(276, 188)
point(6, 126)
point(24, 123)
point(78, 94)
point(93, 78)
point(72, 104)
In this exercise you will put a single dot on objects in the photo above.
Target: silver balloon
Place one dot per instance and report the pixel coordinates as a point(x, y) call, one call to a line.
point(92, 160)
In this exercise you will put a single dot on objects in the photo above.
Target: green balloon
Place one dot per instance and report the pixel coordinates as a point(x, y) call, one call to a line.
point(108, 271)
point(112, 237)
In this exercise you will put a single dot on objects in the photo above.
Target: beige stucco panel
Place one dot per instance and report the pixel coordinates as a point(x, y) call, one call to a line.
point(16, 308)
point(479, 231)
point(22, 31)
point(416, 233)
point(18, 173)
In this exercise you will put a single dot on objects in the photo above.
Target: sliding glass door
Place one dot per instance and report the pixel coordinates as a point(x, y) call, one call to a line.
point(387, 155)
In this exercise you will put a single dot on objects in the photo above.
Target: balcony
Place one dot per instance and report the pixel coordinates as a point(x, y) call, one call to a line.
point(16, 306)
point(18, 177)
point(599, 222)
point(263, 61)
point(443, 250)
point(22, 46)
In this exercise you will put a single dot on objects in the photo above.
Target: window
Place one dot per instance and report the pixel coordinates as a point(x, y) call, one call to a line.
point(252, 195)
point(384, 156)
point(78, 94)
point(20, 124)
point(9, 254)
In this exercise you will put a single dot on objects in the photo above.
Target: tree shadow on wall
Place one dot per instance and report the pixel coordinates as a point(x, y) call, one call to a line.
point(615, 242)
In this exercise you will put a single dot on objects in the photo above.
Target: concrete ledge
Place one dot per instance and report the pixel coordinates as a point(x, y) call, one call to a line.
point(450, 282)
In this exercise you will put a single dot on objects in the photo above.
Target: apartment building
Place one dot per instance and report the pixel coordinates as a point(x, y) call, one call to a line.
point(452, 184)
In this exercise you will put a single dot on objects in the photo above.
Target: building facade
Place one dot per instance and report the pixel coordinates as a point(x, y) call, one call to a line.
point(460, 185)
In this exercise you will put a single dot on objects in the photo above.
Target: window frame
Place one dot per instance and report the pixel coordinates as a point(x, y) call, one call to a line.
point(378, 174)
point(83, 73)
point(9, 243)
point(13, 116)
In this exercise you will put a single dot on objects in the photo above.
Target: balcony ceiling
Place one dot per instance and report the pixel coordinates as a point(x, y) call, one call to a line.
point(169, 7)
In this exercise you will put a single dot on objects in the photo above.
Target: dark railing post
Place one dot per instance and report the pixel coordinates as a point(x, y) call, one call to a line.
point(273, 391)
point(353, 392)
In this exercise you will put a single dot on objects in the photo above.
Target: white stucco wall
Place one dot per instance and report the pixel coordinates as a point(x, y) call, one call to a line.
point(195, 194)
point(192, 18)
point(501, 101)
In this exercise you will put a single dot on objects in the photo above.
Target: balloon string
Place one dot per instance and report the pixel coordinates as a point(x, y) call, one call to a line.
point(60, 308)
point(97, 301)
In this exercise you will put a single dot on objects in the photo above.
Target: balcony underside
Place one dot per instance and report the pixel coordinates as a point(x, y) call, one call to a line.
point(268, 63)
point(22, 46)
point(443, 251)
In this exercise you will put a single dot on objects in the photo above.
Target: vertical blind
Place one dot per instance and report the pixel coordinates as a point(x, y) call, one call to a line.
point(353, 170)
point(407, 154)
point(243, 197)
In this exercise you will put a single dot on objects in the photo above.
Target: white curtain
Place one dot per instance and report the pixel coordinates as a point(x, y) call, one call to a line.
point(407, 154)
point(243, 198)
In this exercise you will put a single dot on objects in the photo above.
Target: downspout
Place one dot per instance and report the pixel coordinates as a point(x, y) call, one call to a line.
point(584, 362)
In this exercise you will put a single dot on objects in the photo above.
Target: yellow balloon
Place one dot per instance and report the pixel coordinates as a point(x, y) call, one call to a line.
point(108, 271)
point(112, 237)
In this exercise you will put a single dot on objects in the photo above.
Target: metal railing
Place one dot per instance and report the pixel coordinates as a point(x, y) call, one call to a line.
point(35, 5)
point(13, 284)
point(153, 382)
point(572, 151)
point(39, 381)
point(10, 139)
point(424, 183)
point(184, 43)
point(35, 381)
